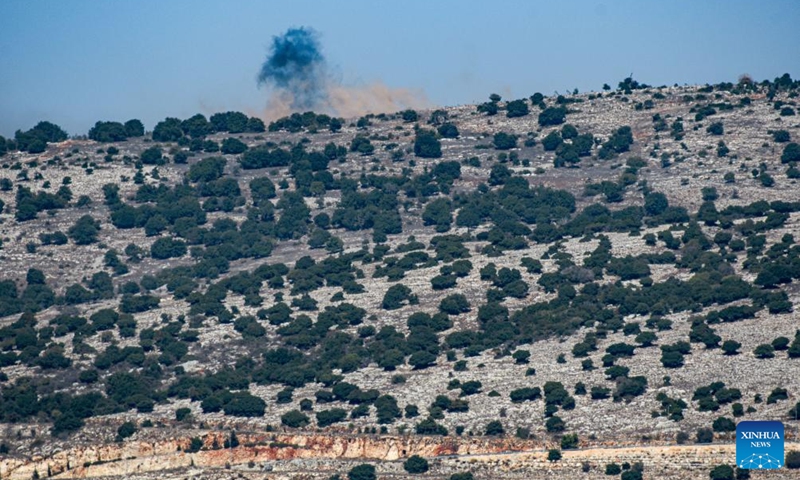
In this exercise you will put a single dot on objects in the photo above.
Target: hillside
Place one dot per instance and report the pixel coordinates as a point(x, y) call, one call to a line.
point(584, 271)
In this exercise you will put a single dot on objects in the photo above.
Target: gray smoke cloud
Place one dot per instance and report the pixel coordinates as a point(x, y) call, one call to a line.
point(300, 80)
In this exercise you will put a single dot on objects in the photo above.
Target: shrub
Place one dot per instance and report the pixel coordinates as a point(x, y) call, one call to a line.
point(613, 469)
point(554, 455)
point(415, 464)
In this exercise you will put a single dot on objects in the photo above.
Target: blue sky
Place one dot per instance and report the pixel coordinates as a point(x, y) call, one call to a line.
point(79, 61)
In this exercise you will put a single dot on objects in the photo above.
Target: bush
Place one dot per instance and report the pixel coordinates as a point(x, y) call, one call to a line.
point(415, 464)
point(613, 469)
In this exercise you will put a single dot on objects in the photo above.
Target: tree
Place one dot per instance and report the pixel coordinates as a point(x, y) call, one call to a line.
point(362, 472)
point(84, 231)
point(426, 145)
point(409, 116)
point(36, 139)
point(791, 153)
point(722, 472)
point(152, 156)
point(554, 455)
point(495, 428)
point(569, 441)
point(207, 169)
point(731, 347)
point(168, 130)
point(167, 247)
point(233, 146)
point(329, 417)
point(196, 126)
point(395, 296)
point(552, 116)
point(715, 128)
point(655, 203)
point(793, 459)
point(126, 430)
point(504, 141)
point(454, 304)
point(704, 435)
point(108, 132)
point(462, 476)
point(516, 108)
point(295, 419)
point(448, 130)
point(244, 404)
point(134, 128)
point(438, 212)
point(764, 350)
point(415, 464)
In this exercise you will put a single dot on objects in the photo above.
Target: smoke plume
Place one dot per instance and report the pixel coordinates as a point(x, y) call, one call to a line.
point(300, 80)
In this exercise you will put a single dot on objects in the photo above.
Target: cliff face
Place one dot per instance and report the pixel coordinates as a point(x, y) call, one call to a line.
point(497, 458)
point(137, 457)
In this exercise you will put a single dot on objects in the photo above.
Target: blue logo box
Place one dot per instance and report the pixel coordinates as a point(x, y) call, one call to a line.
point(759, 445)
